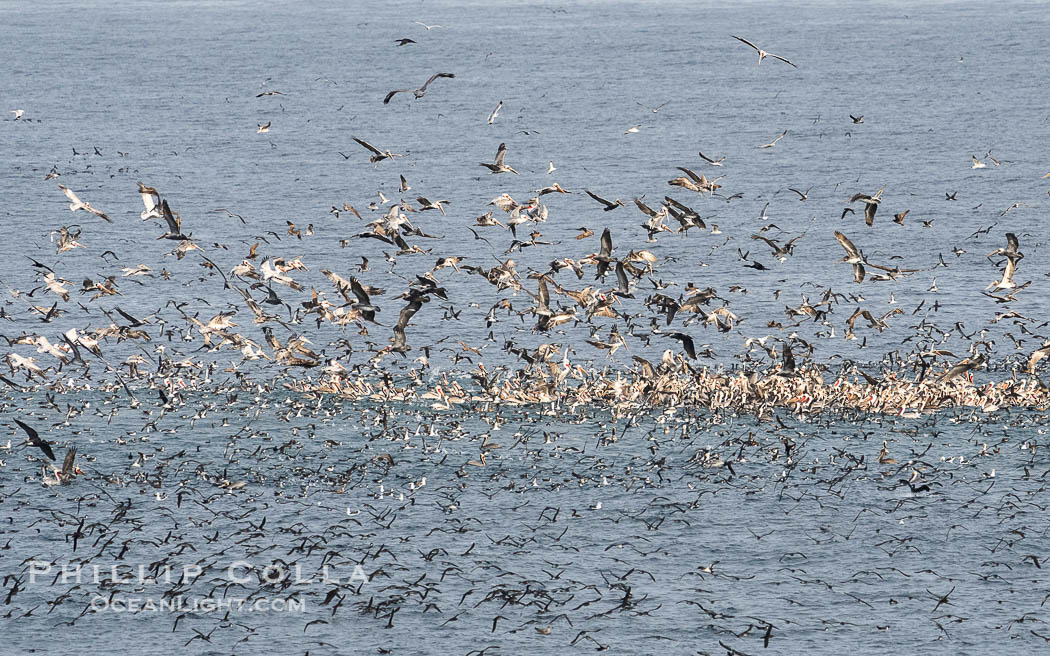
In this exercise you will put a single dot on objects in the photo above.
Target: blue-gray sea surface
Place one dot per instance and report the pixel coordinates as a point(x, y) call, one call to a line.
point(582, 530)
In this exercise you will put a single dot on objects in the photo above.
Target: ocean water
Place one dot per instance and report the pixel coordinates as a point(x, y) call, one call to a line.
point(563, 527)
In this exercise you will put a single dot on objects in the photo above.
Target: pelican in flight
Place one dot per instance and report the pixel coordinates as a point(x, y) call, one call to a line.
point(871, 204)
point(77, 204)
point(377, 155)
point(420, 92)
point(762, 54)
point(151, 199)
point(499, 166)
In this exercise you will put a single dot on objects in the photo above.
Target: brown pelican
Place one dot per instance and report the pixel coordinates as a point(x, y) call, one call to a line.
point(421, 91)
point(151, 199)
point(762, 54)
point(499, 166)
point(871, 204)
point(77, 204)
point(377, 155)
point(609, 204)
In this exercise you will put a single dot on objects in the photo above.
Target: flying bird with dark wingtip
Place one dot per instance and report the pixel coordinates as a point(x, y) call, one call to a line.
point(499, 166)
point(421, 91)
point(762, 54)
point(33, 438)
point(77, 204)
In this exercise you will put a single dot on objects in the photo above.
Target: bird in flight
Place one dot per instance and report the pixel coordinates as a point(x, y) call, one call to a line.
point(377, 155)
point(774, 142)
point(421, 91)
point(762, 54)
point(77, 204)
point(499, 166)
point(871, 204)
point(712, 162)
point(495, 113)
point(427, 27)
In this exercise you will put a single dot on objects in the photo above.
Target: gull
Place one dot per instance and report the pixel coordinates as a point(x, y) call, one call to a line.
point(264, 127)
point(609, 205)
point(421, 91)
point(656, 109)
point(269, 93)
point(774, 142)
point(499, 166)
point(551, 169)
point(427, 27)
point(871, 204)
point(77, 204)
point(377, 155)
point(762, 54)
point(495, 113)
point(633, 129)
point(857, 119)
point(712, 162)
point(801, 196)
point(18, 113)
point(403, 42)
point(151, 199)
point(977, 164)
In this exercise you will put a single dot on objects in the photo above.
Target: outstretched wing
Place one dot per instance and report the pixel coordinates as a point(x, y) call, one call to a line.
point(368, 145)
point(436, 76)
point(501, 153)
point(743, 40)
point(386, 101)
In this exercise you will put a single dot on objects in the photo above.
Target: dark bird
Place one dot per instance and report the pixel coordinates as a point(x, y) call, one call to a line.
point(421, 91)
point(377, 155)
point(403, 42)
point(34, 439)
point(609, 204)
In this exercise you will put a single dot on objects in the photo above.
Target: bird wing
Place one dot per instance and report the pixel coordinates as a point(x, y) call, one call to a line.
point(34, 439)
point(1011, 242)
point(174, 222)
point(621, 278)
point(68, 463)
point(644, 208)
point(769, 54)
point(434, 77)
point(543, 294)
point(359, 291)
point(386, 101)
point(743, 40)
point(597, 197)
point(705, 158)
point(847, 244)
point(607, 246)
point(70, 195)
point(368, 145)
point(869, 213)
point(858, 272)
point(501, 153)
point(150, 198)
point(696, 178)
point(800, 194)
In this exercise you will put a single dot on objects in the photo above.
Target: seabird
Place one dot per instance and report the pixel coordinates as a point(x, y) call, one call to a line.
point(499, 166)
point(421, 91)
point(77, 204)
point(762, 54)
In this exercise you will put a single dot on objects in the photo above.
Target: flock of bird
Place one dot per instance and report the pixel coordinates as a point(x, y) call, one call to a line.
point(346, 415)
